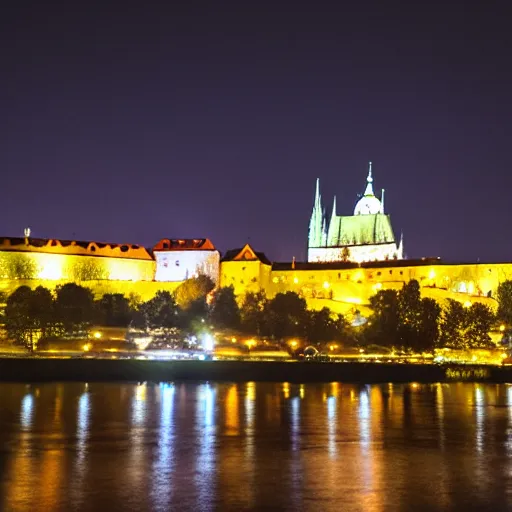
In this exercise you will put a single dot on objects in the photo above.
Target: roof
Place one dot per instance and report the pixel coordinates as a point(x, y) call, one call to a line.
point(245, 253)
point(74, 247)
point(184, 244)
point(360, 230)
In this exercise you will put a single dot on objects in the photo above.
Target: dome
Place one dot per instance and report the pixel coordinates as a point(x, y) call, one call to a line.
point(368, 205)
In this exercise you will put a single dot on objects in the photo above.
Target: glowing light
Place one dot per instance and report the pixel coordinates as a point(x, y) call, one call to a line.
point(471, 288)
point(51, 267)
point(233, 340)
point(251, 343)
point(296, 280)
point(208, 342)
point(97, 335)
point(286, 389)
point(275, 280)
point(326, 285)
point(432, 274)
point(353, 300)
point(504, 355)
point(467, 304)
point(86, 347)
point(502, 327)
point(377, 286)
point(293, 343)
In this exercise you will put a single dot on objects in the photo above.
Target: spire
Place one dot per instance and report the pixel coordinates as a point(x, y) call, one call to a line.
point(316, 221)
point(333, 209)
point(400, 251)
point(369, 185)
point(382, 202)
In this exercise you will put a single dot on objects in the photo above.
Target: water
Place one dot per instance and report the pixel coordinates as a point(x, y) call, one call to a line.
point(255, 446)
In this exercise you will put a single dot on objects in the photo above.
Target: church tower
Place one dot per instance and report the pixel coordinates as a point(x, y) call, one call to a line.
point(317, 226)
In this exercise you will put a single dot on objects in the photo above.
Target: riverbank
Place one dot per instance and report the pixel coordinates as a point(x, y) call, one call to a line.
point(91, 370)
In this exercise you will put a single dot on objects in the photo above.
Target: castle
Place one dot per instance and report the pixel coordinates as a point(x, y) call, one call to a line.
point(348, 262)
point(365, 236)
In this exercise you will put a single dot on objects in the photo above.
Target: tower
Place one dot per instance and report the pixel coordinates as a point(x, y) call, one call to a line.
point(317, 221)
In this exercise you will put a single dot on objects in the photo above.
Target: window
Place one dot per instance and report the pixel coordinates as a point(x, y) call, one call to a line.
point(166, 245)
point(177, 263)
point(379, 273)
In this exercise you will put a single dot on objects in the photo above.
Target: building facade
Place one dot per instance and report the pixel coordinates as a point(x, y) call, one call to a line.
point(367, 235)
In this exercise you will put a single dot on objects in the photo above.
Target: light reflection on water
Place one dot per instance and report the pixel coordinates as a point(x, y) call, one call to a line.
point(255, 446)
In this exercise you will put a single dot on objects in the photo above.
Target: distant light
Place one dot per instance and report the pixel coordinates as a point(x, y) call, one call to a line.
point(296, 280)
point(97, 335)
point(208, 342)
point(502, 327)
point(326, 285)
point(86, 347)
point(233, 340)
point(467, 304)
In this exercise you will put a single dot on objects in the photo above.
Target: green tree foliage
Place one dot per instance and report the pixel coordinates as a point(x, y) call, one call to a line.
point(504, 297)
point(285, 315)
point(466, 328)
point(29, 315)
point(383, 325)
point(252, 313)
point(17, 266)
point(224, 309)
point(160, 311)
point(87, 269)
point(192, 290)
point(114, 310)
point(75, 308)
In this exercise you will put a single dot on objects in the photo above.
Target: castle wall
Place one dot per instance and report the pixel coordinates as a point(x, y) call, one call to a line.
point(55, 266)
point(356, 253)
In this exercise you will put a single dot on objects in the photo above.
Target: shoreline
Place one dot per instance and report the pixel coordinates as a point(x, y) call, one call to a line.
point(98, 370)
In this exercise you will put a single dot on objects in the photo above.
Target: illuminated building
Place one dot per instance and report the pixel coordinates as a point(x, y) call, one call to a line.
point(177, 260)
point(365, 236)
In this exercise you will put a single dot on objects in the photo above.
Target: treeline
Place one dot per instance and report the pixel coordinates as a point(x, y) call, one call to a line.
point(404, 320)
point(400, 320)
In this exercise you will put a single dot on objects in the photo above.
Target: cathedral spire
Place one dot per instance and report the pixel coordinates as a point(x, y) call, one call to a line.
point(333, 209)
point(316, 223)
point(382, 202)
point(369, 184)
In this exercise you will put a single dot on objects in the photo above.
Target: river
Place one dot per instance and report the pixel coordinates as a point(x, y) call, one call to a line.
point(255, 446)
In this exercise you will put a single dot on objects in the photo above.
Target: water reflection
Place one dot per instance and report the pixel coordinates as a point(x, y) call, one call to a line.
point(364, 418)
point(27, 411)
point(480, 417)
point(331, 424)
point(218, 447)
point(205, 465)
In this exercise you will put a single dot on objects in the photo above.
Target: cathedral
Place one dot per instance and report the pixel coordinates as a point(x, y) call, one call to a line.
point(367, 235)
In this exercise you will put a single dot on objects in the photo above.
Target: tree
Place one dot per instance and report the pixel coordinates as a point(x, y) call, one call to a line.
point(452, 325)
point(19, 323)
point(193, 289)
point(160, 311)
point(29, 315)
point(404, 319)
point(252, 312)
point(480, 319)
point(323, 326)
point(286, 315)
point(114, 310)
point(384, 323)
point(75, 308)
point(466, 328)
point(87, 269)
point(17, 266)
point(224, 309)
point(504, 297)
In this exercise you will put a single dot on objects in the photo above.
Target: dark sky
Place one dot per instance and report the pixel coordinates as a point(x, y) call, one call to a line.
point(138, 122)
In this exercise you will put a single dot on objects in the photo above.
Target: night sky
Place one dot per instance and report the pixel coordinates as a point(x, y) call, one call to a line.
point(138, 122)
